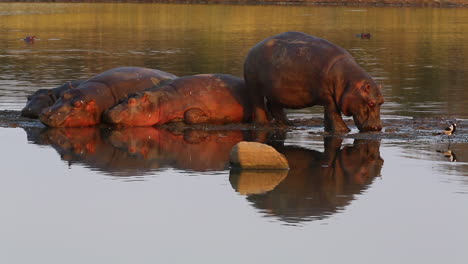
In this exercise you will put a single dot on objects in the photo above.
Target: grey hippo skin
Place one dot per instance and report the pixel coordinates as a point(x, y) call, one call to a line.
point(84, 105)
point(295, 70)
point(44, 98)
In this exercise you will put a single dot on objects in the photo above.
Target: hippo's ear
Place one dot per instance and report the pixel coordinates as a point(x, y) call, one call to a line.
point(365, 88)
point(91, 106)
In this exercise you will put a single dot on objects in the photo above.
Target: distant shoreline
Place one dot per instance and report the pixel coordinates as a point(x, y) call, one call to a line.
point(376, 3)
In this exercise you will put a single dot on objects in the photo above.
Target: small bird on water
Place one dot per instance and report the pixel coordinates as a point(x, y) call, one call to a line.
point(450, 130)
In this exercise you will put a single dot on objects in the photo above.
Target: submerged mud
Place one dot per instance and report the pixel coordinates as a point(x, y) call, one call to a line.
point(422, 129)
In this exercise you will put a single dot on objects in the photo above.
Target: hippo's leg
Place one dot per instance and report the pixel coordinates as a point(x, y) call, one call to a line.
point(195, 116)
point(333, 121)
point(258, 102)
point(260, 115)
point(278, 113)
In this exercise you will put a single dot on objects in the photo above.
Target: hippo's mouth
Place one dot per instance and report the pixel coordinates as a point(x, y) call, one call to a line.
point(364, 126)
point(58, 119)
point(29, 112)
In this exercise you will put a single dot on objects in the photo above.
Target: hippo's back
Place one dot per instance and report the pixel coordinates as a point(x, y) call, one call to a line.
point(291, 69)
point(128, 75)
point(292, 52)
point(122, 81)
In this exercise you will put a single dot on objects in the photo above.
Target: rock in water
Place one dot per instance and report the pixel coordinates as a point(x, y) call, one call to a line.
point(253, 155)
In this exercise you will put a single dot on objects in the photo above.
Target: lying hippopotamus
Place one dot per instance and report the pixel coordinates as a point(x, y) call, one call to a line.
point(296, 70)
point(84, 105)
point(204, 98)
point(44, 98)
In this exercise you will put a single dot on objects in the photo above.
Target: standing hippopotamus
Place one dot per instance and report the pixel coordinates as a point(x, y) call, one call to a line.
point(44, 98)
point(204, 98)
point(296, 70)
point(84, 105)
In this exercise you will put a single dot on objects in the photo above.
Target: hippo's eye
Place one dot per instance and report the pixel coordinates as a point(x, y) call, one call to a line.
point(67, 96)
point(132, 101)
point(29, 97)
point(77, 104)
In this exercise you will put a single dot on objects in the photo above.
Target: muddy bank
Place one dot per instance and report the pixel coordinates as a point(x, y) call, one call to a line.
point(423, 129)
point(425, 3)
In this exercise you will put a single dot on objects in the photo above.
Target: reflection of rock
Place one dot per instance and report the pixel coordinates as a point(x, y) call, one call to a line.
point(254, 155)
point(248, 182)
point(319, 183)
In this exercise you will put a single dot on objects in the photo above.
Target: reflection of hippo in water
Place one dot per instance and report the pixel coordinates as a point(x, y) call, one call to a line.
point(137, 151)
point(296, 70)
point(44, 98)
point(198, 150)
point(90, 147)
point(84, 105)
point(203, 98)
point(319, 183)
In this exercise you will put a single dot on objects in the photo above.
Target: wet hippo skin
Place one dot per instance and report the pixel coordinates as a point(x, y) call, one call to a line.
point(43, 98)
point(296, 70)
point(197, 99)
point(84, 105)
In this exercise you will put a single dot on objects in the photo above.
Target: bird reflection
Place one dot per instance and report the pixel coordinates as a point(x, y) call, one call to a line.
point(318, 184)
point(448, 154)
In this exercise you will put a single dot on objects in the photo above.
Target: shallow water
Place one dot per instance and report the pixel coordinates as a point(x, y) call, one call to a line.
point(107, 196)
point(151, 194)
point(418, 54)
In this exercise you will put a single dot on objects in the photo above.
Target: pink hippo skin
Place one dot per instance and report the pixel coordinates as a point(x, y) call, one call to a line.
point(204, 98)
point(44, 98)
point(84, 105)
point(296, 70)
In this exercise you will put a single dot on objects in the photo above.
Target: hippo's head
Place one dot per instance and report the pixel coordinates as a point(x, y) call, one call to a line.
point(362, 101)
point(72, 109)
point(137, 110)
point(37, 102)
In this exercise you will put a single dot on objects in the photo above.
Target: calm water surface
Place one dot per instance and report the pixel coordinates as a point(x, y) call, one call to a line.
point(147, 195)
